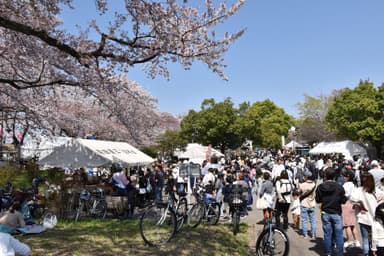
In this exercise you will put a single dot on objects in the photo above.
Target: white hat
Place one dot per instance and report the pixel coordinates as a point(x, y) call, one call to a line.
point(374, 163)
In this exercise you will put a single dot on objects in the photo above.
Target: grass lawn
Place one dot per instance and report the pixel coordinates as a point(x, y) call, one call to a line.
point(115, 237)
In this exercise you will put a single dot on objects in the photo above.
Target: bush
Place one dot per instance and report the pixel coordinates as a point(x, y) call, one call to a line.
point(14, 174)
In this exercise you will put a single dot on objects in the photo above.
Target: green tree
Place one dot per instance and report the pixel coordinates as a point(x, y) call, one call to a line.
point(357, 114)
point(171, 140)
point(311, 121)
point(214, 124)
point(265, 123)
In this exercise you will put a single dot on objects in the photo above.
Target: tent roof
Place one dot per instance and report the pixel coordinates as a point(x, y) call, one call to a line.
point(94, 153)
point(347, 148)
point(41, 146)
point(196, 151)
point(293, 144)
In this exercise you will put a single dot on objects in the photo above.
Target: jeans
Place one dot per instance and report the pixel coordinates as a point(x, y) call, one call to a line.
point(365, 234)
point(158, 194)
point(305, 213)
point(332, 228)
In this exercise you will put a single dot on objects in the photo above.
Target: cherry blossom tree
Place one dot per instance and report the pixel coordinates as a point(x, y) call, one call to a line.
point(47, 71)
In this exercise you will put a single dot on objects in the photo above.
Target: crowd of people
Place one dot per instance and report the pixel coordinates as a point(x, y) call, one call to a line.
point(350, 193)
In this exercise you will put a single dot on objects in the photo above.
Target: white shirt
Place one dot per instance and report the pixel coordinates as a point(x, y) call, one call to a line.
point(9, 246)
point(377, 235)
point(277, 169)
point(377, 174)
point(295, 207)
point(349, 187)
point(207, 178)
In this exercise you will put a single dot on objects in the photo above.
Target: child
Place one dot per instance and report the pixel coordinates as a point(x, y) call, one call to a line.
point(378, 231)
point(295, 209)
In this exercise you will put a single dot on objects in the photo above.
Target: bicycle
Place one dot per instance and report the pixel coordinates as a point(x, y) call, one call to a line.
point(92, 203)
point(272, 240)
point(205, 208)
point(236, 206)
point(160, 222)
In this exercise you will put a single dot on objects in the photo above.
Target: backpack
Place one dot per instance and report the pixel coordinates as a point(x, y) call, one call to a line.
point(288, 191)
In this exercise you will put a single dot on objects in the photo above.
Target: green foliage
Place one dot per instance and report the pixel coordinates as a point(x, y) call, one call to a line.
point(32, 169)
point(171, 140)
point(214, 124)
point(357, 113)
point(224, 126)
point(311, 123)
point(14, 174)
point(151, 151)
point(265, 123)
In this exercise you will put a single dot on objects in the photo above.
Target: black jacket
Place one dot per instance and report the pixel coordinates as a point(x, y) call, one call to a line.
point(331, 196)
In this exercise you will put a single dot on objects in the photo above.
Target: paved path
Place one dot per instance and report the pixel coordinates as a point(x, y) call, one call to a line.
point(298, 244)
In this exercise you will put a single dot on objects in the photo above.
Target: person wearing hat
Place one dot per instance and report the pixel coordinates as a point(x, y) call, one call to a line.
point(377, 173)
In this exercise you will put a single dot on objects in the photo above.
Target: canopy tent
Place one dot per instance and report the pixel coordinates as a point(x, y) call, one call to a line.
point(347, 148)
point(41, 146)
point(197, 153)
point(78, 153)
point(293, 144)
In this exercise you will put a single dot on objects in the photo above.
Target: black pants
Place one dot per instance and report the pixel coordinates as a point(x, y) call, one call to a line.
point(282, 210)
point(131, 194)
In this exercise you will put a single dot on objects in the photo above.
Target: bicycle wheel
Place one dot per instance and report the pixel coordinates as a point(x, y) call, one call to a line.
point(157, 225)
point(181, 212)
point(235, 222)
point(278, 244)
point(213, 214)
point(100, 209)
point(195, 215)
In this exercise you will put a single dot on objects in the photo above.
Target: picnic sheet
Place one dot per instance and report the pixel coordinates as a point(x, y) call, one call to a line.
point(32, 229)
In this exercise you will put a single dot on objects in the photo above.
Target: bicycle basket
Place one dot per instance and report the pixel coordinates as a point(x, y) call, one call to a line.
point(85, 195)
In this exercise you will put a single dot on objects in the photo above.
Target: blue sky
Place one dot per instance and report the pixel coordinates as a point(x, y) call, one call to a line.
point(290, 48)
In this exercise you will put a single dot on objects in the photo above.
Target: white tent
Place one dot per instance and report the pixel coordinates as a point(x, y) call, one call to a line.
point(347, 148)
point(94, 153)
point(197, 153)
point(293, 144)
point(41, 146)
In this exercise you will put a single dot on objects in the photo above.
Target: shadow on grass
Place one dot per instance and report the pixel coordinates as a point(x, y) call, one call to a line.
point(111, 237)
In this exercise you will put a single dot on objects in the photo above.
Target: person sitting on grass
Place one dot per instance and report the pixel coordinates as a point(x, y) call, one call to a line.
point(12, 219)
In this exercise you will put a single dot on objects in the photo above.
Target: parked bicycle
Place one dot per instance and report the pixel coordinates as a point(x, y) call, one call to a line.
point(160, 222)
point(272, 240)
point(91, 203)
point(205, 209)
point(236, 206)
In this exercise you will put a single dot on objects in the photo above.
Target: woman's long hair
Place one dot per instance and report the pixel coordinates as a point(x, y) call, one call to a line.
point(367, 182)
